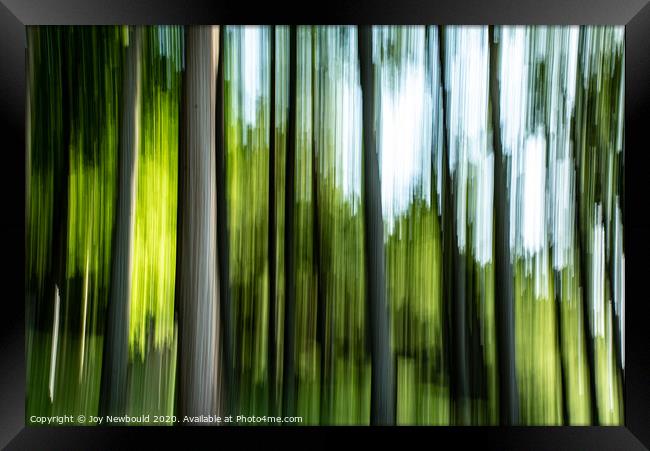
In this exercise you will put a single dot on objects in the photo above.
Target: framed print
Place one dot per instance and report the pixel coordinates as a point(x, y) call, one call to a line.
point(379, 219)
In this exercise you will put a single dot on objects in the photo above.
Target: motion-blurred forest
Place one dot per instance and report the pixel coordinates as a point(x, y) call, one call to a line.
point(355, 225)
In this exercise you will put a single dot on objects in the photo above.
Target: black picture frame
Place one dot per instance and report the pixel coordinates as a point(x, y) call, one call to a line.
point(15, 14)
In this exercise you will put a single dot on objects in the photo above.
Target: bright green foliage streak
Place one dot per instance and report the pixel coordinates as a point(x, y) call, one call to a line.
point(154, 248)
point(153, 330)
point(536, 348)
point(414, 286)
point(574, 354)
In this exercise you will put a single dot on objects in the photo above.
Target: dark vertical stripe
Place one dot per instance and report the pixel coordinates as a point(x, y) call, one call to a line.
point(504, 295)
point(288, 405)
point(581, 231)
point(222, 235)
point(272, 237)
point(116, 338)
point(382, 389)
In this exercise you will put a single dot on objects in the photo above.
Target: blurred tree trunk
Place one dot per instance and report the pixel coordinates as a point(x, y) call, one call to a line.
point(320, 276)
point(60, 233)
point(454, 277)
point(272, 239)
point(589, 336)
point(229, 383)
point(382, 398)
point(504, 279)
point(288, 387)
point(445, 219)
point(116, 339)
point(617, 193)
point(198, 290)
point(582, 225)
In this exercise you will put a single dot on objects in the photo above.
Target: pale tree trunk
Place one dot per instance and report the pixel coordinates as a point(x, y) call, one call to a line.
point(198, 289)
point(116, 348)
point(382, 398)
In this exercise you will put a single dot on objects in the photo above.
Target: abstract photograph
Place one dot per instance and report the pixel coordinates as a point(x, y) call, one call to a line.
point(325, 225)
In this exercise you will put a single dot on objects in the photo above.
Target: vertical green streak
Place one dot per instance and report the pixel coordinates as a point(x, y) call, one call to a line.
point(154, 253)
point(598, 128)
point(82, 66)
point(46, 151)
point(280, 126)
point(247, 185)
point(538, 365)
point(342, 364)
point(307, 361)
point(152, 326)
